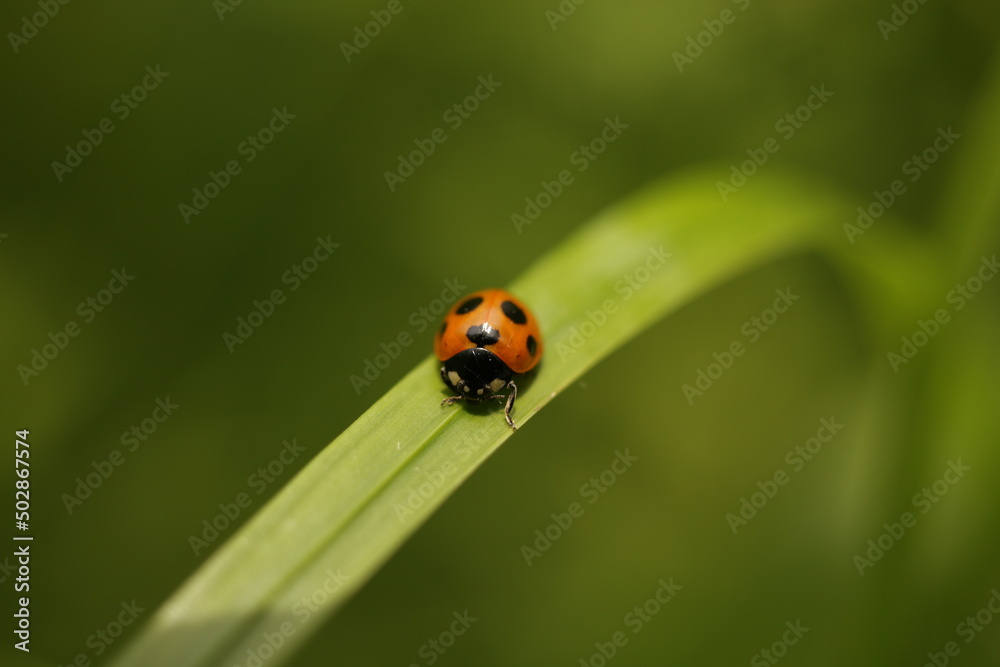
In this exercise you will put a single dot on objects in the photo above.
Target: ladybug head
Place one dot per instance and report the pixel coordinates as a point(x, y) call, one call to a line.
point(475, 374)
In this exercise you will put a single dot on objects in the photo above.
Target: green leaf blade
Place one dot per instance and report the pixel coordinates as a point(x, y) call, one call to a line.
point(330, 529)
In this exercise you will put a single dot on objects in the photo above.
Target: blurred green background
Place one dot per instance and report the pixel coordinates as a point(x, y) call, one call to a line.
point(226, 71)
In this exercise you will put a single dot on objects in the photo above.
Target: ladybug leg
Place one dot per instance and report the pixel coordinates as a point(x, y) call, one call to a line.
point(510, 404)
point(451, 400)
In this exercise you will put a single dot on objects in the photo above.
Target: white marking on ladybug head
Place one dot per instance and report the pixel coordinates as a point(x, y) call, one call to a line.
point(465, 388)
point(453, 378)
point(497, 385)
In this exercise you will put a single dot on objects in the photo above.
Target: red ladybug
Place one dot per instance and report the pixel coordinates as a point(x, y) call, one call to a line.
point(485, 340)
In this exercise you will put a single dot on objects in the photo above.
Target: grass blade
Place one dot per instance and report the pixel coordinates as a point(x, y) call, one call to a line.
point(970, 208)
point(330, 529)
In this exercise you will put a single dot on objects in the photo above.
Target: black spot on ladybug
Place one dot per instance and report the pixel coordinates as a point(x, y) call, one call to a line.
point(483, 335)
point(532, 345)
point(515, 314)
point(469, 305)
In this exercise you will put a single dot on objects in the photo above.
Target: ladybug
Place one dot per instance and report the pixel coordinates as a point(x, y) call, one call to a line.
point(486, 339)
